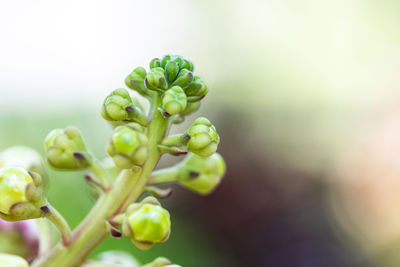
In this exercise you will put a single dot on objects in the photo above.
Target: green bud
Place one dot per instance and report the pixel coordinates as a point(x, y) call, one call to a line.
point(23, 157)
point(171, 70)
point(188, 65)
point(21, 194)
point(155, 80)
point(147, 223)
point(204, 138)
point(201, 175)
point(196, 90)
point(127, 147)
point(190, 108)
point(174, 100)
point(155, 63)
point(118, 106)
point(161, 262)
point(172, 58)
point(66, 150)
point(185, 77)
point(8, 260)
point(135, 80)
point(113, 259)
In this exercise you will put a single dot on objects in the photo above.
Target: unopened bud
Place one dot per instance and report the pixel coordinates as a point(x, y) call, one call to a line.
point(8, 260)
point(196, 90)
point(184, 78)
point(174, 100)
point(118, 106)
point(155, 80)
point(155, 63)
point(204, 138)
point(171, 70)
point(127, 147)
point(190, 108)
point(21, 194)
point(147, 223)
point(135, 80)
point(23, 157)
point(161, 262)
point(113, 259)
point(65, 149)
point(201, 175)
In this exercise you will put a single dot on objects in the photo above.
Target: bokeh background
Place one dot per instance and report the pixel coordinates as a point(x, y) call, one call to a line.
point(305, 96)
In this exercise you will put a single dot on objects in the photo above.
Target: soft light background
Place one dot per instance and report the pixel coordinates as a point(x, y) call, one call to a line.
point(305, 95)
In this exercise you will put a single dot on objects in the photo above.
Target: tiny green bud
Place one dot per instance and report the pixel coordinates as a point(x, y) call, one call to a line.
point(118, 106)
point(23, 157)
point(155, 80)
point(196, 90)
point(127, 147)
point(66, 150)
point(185, 77)
point(174, 100)
point(171, 70)
point(161, 262)
point(155, 63)
point(190, 108)
point(147, 223)
point(8, 260)
point(204, 138)
point(135, 80)
point(113, 259)
point(188, 65)
point(21, 194)
point(201, 175)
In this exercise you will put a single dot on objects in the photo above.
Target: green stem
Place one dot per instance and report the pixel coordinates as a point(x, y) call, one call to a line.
point(100, 173)
point(164, 176)
point(60, 223)
point(129, 185)
point(174, 140)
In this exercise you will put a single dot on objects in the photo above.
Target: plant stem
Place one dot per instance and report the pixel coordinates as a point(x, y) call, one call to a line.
point(164, 175)
point(60, 223)
point(129, 185)
point(100, 173)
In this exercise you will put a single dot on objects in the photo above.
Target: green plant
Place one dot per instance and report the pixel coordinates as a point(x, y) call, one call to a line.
point(138, 142)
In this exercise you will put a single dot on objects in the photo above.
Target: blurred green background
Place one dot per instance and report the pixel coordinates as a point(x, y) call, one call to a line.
point(304, 94)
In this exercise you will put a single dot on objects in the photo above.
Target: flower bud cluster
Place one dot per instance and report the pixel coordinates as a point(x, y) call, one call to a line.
point(147, 223)
point(172, 78)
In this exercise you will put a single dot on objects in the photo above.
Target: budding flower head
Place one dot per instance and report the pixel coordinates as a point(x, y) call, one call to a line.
point(127, 147)
point(23, 157)
point(155, 80)
point(147, 223)
point(174, 100)
point(201, 175)
point(66, 150)
point(161, 262)
point(204, 138)
point(118, 106)
point(8, 260)
point(21, 194)
point(135, 80)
